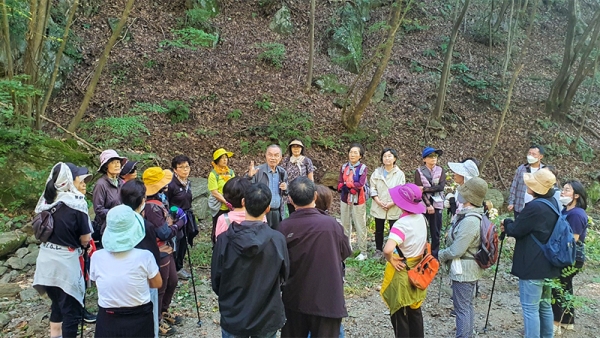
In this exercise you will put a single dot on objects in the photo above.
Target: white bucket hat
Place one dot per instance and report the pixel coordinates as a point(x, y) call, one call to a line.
point(468, 169)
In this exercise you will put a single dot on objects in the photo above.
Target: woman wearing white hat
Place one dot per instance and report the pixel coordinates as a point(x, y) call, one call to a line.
point(57, 270)
point(124, 276)
point(463, 171)
point(106, 190)
point(296, 164)
point(218, 176)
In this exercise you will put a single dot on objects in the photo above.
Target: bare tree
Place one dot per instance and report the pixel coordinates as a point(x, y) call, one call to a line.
point(101, 63)
point(441, 98)
point(312, 45)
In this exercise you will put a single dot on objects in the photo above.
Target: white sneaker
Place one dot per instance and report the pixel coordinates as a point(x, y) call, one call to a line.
point(361, 257)
point(557, 330)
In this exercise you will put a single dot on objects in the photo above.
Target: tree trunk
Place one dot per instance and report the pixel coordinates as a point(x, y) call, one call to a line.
point(7, 46)
point(587, 101)
point(441, 98)
point(352, 119)
point(101, 63)
point(500, 18)
point(42, 110)
point(509, 42)
point(311, 49)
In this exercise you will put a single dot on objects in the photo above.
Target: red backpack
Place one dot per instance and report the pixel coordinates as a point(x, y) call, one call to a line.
point(487, 253)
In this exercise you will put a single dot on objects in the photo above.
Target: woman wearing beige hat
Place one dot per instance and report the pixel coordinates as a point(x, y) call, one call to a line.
point(106, 190)
point(537, 219)
point(156, 181)
point(218, 176)
point(296, 164)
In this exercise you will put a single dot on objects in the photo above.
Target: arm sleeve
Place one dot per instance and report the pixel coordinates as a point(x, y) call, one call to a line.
point(83, 224)
point(98, 198)
point(345, 248)
point(341, 176)
point(464, 235)
point(402, 179)
point(397, 234)
point(151, 267)
point(310, 167)
point(93, 275)
point(524, 224)
point(155, 216)
point(373, 184)
point(284, 272)
point(212, 182)
point(513, 188)
point(420, 184)
point(578, 222)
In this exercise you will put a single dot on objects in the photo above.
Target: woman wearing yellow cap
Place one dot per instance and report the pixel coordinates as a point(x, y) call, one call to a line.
point(217, 178)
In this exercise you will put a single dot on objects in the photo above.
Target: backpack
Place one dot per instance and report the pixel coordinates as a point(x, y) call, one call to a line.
point(43, 223)
point(424, 272)
point(487, 253)
point(357, 173)
point(560, 248)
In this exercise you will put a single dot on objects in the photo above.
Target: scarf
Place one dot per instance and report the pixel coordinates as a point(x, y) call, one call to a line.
point(298, 161)
point(66, 193)
point(223, 172)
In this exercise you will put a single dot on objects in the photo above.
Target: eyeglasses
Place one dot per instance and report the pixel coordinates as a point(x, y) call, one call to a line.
point(185, 167)
point(434, 155)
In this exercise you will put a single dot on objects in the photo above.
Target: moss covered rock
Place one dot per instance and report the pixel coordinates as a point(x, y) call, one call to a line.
point(11, 241)
point(345, 48)
point(282, 21)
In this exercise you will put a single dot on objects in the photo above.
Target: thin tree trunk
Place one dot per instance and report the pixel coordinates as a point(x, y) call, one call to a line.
point(42, 110)
point(7, 46)
point(500, 18)
point(587, 101)
point(509, 42)
point(351, 120)
point(441, 98)
point(490, 30)
point(101, 63)
point(312, 45)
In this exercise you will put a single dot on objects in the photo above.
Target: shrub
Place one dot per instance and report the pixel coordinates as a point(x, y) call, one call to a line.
point(191, 38)
point(264, 104)
point(177, 111)
point(273, 54)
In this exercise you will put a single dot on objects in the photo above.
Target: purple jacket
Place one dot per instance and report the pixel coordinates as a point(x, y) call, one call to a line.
point(317, 248)
point(105, 197)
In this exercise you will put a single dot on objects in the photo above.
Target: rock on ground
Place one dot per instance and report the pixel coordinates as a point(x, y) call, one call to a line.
point(9, 289)
point(11, 241)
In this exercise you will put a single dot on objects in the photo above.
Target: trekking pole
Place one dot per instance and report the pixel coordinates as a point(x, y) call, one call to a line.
point(187, 248)
point(86, 268)
point(487, 317)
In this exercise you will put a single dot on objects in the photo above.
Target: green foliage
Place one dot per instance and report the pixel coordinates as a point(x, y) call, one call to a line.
point(282, 127)
point(110, 131)
point(378, 26)
point(177, 111)
point(416, 67)
point(363, 274)
point(593, 193)
point(480, 32)
point(473, 82)
point(181, 134)
point(21, 92)
point(148, 107)
point(273, 54)
point(547, 124)
point(361, 136)
point(234, 114)
point(190, 38)
point(207, 132)
point(264, 104)
point(460, 68)
point(444, 44)
point(413, 25)
point(429, 52)
point(198, 18)
point(592, 244)
point(329, 83)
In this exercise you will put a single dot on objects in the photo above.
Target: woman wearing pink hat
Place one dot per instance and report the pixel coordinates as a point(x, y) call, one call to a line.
point(106, 190)
point(409, 234)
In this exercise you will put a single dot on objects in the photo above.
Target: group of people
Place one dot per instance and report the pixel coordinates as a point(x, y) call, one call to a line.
point(273, 272)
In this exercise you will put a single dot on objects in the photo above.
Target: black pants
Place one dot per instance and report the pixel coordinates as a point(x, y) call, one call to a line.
point(214, 225)
point(379, 231)
point(291, 208)
point(180, 253)
point(65, 310)
point(300, 324)
point(564, 312)
point(408, 323)
point(435, 228)
point(273, 219)
point(135, 321)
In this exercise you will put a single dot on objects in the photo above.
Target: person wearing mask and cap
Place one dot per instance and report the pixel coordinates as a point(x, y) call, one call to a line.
point(129, 171)
point(462, 242)
point(537, 219)
point(57, 270)
point(519, 195)
point(166, 226)
point(218, 176)
point(106, 190)
point(463, 171)
point(431, 179)
point(296, 164)
point(124, 306)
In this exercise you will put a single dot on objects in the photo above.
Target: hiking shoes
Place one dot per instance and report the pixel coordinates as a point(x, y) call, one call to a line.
point(171, 318)
point(88, 317)
point(183, 274)
point(361, 257)
point(165, 329)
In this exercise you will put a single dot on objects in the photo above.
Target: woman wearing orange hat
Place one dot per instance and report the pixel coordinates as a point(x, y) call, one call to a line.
point(217, 178)
point(296, 164)
point(156, 181)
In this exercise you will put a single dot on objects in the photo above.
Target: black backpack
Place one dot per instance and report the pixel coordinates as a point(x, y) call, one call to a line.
point(43, 223)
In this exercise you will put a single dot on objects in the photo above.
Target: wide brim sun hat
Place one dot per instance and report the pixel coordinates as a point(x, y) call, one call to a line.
point(124, 229)
point(408, 197)
point(155, 178)
point(540, 182)
point(467, 169)
point(108, 155)
point(296, 142)
point(429, 150)
point(473, 191)
point(220, 152)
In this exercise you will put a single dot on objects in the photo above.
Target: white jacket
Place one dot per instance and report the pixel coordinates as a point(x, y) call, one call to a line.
point(380, 187)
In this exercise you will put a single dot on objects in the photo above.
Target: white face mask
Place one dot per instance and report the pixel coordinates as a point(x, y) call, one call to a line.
point(531, 159)
point(566, 200)
point(141, 208)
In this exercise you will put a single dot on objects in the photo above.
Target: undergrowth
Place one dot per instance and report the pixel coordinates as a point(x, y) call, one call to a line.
point(273, 54)
point(190, 38)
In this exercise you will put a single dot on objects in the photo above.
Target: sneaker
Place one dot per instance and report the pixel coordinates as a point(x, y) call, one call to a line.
point(88, 317)
point(172, 318)
point(570, 327)
point(164, 329)
point(361, 257)
point(183, 275)
point(378, 254)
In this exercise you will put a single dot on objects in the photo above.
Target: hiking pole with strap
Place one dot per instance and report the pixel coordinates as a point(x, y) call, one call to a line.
point(187, 249)
point(487, 317)
point(86, 269)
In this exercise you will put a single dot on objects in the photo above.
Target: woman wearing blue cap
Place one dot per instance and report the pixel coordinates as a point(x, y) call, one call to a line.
point(431, 179)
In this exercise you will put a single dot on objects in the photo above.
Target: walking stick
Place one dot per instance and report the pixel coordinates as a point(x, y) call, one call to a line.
point(187, 249)
point(487, 317)
point(86, 269)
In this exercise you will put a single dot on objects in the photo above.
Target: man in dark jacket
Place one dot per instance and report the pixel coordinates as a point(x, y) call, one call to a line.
point(529, 262)
point(274, 177)
point(314, 294)
point(249, 265)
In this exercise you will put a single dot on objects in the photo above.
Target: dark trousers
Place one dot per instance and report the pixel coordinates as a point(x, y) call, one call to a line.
point(516, 214)
point(408, 323)
point(273, 219)
point(134, 321)
point(180, 253)
point(291, 208)
point(379, 231)
point(214, 224)
point(435, 228)
point(300, 324)
point(66, 310)
point(563, 311)
point(169, 279)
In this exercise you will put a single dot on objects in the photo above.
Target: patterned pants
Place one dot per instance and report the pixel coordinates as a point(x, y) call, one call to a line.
point(462, 298)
